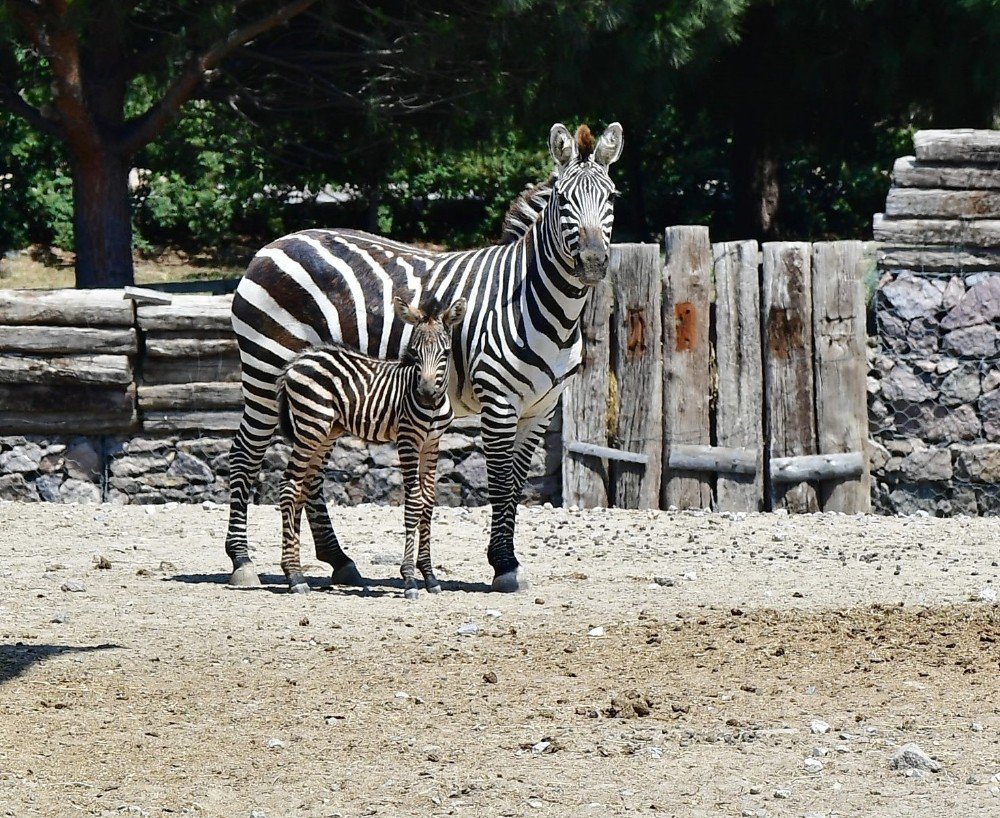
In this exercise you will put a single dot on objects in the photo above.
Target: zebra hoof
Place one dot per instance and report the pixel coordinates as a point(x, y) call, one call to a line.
point(245, 577)
point(300, 588)
point(434, 588)
point(512, 581)
point(411, 593)
point(348, 574)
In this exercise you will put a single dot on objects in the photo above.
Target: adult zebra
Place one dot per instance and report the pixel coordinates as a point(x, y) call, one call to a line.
point(517, 345)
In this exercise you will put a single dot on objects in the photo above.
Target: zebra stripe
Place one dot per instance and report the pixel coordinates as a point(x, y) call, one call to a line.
point(517, 345)
point(332, 390)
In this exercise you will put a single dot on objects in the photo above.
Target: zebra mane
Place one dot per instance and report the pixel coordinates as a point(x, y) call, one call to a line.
point(525, 210)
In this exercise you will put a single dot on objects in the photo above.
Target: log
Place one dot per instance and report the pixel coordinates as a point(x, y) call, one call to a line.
point(142, 295)
point(188, 312)
point(719, 459)
point(66, 308)
point(606, 452)
point(191, 347)
point(977, 232)
point(67, 423)
point(58, 340)
point(107, 369)
point(912, 203)
point(844, 466)
point(841, 367)
point(740, 372)
point(957, 145)
point(908, 172)
point(956, 260)
point(788, 365)
point(54, 399)
point(638, 366)
point(687, 384)
point(585, 406)
point(160, 421)
point(213, 369)
point(191, 396)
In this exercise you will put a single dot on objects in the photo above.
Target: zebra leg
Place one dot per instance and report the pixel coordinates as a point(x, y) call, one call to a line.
point(499, 437)
point(409, 462)
point(293, 486)
point(328, 549)
point(245, 458)
point(428, 490)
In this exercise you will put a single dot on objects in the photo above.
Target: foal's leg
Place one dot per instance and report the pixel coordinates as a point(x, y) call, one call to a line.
point(303, 463)
point(409, 463)
point(428, 491)
point(328, 549)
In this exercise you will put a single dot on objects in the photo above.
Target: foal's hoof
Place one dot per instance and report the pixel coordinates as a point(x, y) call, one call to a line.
point(411, 593)
point(245, 577)
point(300, 588)
point(348, 574)
point(516, 580)
point(434, 588)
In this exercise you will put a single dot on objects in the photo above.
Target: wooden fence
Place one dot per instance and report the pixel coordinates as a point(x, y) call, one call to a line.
point(731, 376)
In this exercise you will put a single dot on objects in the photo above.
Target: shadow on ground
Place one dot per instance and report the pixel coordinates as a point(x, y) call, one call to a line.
point(17, 658)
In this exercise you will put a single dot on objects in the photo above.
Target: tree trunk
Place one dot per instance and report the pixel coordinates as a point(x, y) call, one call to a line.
point(757, 182)
point(102, 221)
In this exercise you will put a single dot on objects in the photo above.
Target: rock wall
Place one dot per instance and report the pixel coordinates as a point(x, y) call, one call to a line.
point(934, 382)
point(186, 468)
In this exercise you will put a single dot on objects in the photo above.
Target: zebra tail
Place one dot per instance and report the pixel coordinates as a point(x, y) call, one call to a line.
point(284, 414)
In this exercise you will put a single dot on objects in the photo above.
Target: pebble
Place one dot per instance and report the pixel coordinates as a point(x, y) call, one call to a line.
point(596, 632)
point(781, 795)
point(812, 765)
point(493, 613)
point(275, 744)
point(60, 618)
point(976, 727)
point(987, 594)
point(665, 582)
point(468, 629)
point(912, 757)
point(72, 586)
point(690, 576)
point(818, 727)
point(820, 752)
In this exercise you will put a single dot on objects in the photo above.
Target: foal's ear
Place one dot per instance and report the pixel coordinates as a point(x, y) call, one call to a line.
point(405, 312)
point(562, 145)
point(609, 146)
point(454, 314)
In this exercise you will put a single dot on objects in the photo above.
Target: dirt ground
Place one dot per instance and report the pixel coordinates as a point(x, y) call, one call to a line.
point(661, 663)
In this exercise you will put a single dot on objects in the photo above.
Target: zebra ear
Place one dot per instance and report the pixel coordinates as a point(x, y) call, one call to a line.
point(609, 146)
point(562, 145)
point(454, 314)
point(405, 313)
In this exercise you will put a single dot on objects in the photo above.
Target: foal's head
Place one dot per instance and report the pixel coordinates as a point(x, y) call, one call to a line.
point(429, 348)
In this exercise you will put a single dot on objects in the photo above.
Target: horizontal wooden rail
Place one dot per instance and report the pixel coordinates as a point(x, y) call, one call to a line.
point(713, 458)
point(816, 467)
point(594, 450)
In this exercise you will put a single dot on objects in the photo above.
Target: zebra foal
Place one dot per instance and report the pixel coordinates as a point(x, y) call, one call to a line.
point(332, 390)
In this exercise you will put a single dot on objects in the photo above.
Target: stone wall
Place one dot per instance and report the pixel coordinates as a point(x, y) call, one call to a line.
point(188, 468)
point(934, 383)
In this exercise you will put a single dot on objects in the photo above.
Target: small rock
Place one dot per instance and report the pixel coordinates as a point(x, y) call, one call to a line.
point(74, 587)
point(275, 744)
point(820, 752)
point(812, 765)
point(493, 613)
point(987, 594)
point(540, 747)
point(102, 562)
point(60, 618)
point(539, 600)
point(911, 757)
point(781, 795)
point(691, 576)
point(490, 678)
point(665, 582)
point(818, 727)
point(468, 629)
point(596, 632)
point(976, 727)
point(913, 773)
point(304, 621)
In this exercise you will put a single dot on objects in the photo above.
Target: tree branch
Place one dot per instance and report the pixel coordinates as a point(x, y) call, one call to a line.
point(146, 126)
point(19, 106)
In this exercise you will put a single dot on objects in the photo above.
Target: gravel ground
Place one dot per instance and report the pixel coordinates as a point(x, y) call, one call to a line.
point(685, 664)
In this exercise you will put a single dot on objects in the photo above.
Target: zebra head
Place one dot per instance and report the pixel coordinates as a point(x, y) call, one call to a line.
point(429, 348)
point(585, 194)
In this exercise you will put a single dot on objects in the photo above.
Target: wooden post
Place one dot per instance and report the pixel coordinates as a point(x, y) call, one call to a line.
point(740, 403)
point(841, 367)
point(585, 407)
point(638, 367)
point(788, 365)
point(687, 382)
